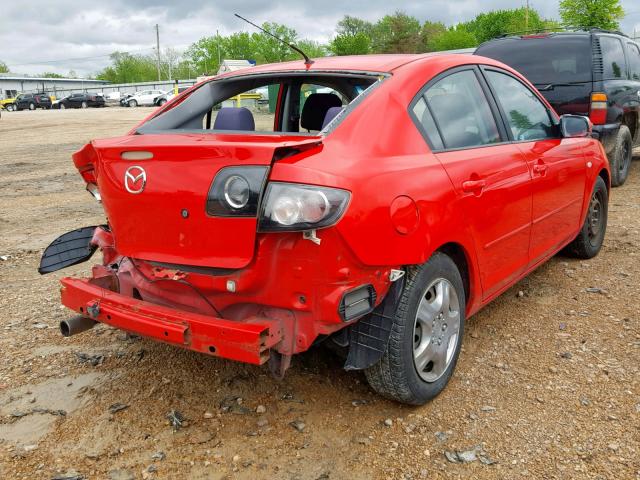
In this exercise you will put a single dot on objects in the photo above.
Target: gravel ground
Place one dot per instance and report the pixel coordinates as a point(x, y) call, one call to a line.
point(548, 384)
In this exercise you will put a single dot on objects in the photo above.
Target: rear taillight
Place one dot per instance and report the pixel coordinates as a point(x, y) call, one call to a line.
point(598, 110)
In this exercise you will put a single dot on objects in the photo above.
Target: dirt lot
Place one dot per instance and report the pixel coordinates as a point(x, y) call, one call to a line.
point(548, 385)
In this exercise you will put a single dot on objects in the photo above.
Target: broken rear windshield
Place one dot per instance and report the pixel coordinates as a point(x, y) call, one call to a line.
point(291, 103)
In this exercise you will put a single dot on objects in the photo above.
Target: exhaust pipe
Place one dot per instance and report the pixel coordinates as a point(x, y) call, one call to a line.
point(75, 325)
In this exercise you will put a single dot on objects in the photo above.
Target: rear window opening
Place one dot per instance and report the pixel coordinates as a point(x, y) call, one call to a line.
point(275, 103)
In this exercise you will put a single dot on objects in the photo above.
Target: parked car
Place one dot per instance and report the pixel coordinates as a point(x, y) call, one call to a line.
point(144, 98)
point(79, 100)
point(165, 97)
point(31, 101)
point(594, 73)
point(124, 99)
point(378, 215)
point(8, 104)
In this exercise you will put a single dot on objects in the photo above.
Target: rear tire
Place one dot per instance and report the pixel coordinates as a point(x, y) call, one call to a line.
point(621, 155)
point(426, 334)
point(83, 105)
point(10, 108)
point(32, 106)
point(589, 241)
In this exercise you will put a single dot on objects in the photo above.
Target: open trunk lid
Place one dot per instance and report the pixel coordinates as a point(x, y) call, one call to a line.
point(158, 211)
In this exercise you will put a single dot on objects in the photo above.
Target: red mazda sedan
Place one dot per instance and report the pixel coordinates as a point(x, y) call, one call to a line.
point(375, 202)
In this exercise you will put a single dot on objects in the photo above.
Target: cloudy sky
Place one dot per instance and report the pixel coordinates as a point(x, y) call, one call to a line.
point(60, 35)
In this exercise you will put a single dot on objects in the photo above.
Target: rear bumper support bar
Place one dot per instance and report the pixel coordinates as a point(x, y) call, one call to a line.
point(247, 341)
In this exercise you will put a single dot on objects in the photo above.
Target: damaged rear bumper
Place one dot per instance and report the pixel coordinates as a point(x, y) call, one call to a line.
point(247, 341)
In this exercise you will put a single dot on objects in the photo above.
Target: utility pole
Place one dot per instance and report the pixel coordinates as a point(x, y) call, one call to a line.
point(158, 49)
point(526, 17)
point(218, 43)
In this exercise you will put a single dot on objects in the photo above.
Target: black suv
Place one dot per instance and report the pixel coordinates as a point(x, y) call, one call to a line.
point(31, 101)
point(594, 73)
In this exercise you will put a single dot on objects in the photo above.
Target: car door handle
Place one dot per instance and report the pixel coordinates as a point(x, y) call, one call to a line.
point(473, 185)
point(540, 168)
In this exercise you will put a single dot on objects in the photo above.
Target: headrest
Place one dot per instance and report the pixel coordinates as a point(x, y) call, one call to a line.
point(232, 118)
point(315, 108)
point(332, 113)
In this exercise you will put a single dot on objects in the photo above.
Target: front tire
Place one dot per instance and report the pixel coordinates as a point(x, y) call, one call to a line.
point(133, 103)
point(589, 241)
point(621, 156)
point(83, 105)
point(426, 334)
point(32, 106)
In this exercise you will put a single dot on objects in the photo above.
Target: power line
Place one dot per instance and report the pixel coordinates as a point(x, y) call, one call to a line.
point(75, 59)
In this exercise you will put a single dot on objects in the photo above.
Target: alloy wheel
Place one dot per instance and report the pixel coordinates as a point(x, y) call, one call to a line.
point(436, 330)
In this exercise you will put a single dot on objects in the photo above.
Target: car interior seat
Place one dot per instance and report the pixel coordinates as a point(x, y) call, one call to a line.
point(234, 118)
point(315, 109)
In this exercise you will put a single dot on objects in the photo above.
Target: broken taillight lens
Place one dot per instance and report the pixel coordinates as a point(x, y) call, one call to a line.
point(92, 188)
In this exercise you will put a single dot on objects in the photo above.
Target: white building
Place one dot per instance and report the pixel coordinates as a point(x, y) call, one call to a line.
point(12, 84)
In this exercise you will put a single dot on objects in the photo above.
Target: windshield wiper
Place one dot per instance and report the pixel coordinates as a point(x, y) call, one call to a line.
point(551, 86)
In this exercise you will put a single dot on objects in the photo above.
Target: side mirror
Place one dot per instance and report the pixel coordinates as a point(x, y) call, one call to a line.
point(575, 126)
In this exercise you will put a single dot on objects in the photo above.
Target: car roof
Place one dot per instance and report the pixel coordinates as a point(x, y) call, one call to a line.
point(551, 35)
point(382, 63)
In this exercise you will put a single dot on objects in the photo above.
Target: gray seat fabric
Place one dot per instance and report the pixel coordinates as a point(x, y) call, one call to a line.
point(315, 109)
point(332, 113)
point(452, 113)
point(232, 118)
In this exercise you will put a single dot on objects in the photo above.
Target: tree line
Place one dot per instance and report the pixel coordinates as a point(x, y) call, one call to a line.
point(393, 33)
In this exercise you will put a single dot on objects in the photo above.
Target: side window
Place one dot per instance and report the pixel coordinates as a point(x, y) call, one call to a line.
point(527, 116)
point(460, 112)
point(422, 113)
point(634, 61)
point(253, 110)
point(613, 58)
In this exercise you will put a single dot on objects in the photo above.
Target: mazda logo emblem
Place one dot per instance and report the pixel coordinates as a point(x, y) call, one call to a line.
point(135, 178)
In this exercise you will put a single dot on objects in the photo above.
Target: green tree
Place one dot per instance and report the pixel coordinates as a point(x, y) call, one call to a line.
point(270, 50)
point(3, 67)
point(128, 68)
point(502, 22)
point(397, 33)
point(429, 33)
point(346, 44)
point(586, 14)
point(51, 75)
point(353, 25)
point(454, 38)
point(312, 48)
point(353, 37)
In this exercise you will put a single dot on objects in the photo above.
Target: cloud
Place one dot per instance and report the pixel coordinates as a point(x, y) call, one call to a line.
point(40, 35)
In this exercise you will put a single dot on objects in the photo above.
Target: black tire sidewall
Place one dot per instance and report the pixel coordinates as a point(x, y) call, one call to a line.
point(439, 266)
point(618, 177)
point(592, 250)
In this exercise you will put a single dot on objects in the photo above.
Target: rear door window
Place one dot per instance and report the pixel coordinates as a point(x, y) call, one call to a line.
point(527, 117)
point(634, 61)
point(613, 58)
point(460, 111)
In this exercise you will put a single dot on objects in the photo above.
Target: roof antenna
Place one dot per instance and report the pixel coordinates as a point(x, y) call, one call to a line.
point(307, 61)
